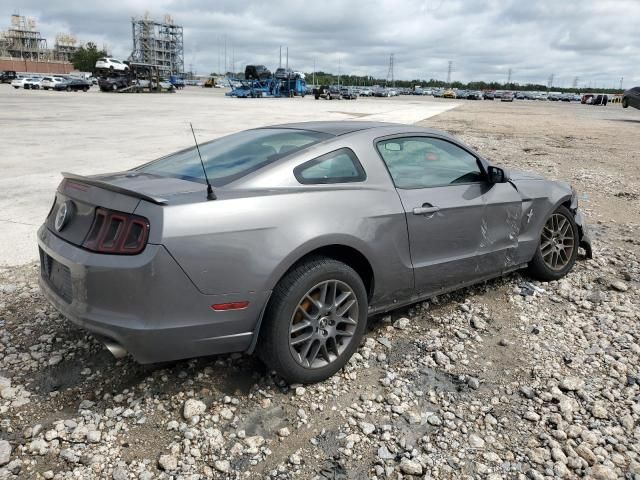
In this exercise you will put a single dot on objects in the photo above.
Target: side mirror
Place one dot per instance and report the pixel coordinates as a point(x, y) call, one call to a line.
point(497, 175)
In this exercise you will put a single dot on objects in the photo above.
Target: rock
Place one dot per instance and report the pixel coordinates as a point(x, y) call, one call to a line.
point(602, 472)
point(410, 467)
point(173, 425)
point(284, 432)
point(94, 436)
point(476, 441)
point(193, 408)
point(69, 455)
point(478, 323)
point(254, 442)
point(168, 463)
point(295, 459)
point(55, 359)
point(38, 447)
point(532, 416)
point(5, 452)
point(527, 392)
point(384, 453)
point(226, 413)
point(585, 452)
point(300, 391)
point(120, 473)
point(402, 323)
point(222, 465)
point(367, 428)
point(434, 420)
point(599, 410)
point(619, 285)
point(473, 383)
point(571, 384)
point(440, 358)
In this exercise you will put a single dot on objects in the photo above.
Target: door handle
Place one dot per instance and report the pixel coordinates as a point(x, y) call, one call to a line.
point(425, 210)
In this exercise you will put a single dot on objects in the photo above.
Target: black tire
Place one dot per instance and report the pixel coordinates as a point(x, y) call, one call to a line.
point(274, 344)
point(68, 89)
point(625, 103)
point(85, 89)
point(538, 267)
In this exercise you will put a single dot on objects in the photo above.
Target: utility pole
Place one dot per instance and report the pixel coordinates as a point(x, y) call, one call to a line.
point(621, 79)
point(509, 77)
point(314, 71)
point(225, 55)
point(449, 73)
point(550, 82)
point(287, 56)
point(575, 82)
point(280, 64)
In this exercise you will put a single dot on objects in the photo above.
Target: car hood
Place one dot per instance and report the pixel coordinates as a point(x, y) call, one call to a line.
point(516, 175)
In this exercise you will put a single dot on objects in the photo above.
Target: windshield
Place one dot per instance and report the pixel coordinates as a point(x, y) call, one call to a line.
point(232, 157)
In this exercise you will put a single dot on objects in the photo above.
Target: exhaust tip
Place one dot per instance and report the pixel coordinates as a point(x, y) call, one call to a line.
point(116, 349)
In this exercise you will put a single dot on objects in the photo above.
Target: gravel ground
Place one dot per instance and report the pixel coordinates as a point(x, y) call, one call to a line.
point(483, 383)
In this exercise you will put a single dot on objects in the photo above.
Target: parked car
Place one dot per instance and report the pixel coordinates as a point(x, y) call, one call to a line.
point(8, 76)
point(32, 83)
point(348, 93)
point(73, 84)
point(554, 97)
point(438, 93)
point(304, 231)
point(282, 73)
point(449, 94)
point(474, 95)
point(177, 81)
point(366, 92)
point(506, 97)
point(112, 64)
point(631, 98)
point(51, 82)
point(488, 96)
point(18, 82)
point(520, 96)
point(328, 92)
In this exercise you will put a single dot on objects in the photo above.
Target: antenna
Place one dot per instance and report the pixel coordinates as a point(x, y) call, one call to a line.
point(210, 194)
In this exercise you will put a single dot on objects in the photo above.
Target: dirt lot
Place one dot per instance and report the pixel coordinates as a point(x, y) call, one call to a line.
point(483, 383)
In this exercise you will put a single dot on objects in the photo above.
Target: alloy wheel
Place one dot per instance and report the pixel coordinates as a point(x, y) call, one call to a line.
point(557, 242)
point(323, 324)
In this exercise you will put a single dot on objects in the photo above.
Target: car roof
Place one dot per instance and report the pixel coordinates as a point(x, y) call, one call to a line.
point(345, 127)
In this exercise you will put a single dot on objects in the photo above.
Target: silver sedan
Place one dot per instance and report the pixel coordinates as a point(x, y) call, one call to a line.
point(285, 239)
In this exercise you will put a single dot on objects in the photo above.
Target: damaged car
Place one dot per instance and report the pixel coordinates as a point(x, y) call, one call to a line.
point(283, 240)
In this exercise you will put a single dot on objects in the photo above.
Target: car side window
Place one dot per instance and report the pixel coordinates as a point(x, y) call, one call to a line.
point(423, 162)
point(340, 166)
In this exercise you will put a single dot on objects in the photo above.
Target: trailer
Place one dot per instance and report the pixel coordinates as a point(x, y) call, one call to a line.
point(258, 82)
point(138, 78)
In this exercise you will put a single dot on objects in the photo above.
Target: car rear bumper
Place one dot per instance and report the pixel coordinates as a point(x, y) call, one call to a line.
point(145, 303)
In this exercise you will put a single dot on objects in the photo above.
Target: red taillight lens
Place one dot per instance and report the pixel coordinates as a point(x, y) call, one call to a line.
point(117, 232)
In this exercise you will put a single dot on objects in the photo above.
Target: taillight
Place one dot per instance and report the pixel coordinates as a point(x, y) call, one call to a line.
point(117, 232)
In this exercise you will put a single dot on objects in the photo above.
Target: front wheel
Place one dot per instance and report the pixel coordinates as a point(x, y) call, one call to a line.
point(558, 247)
point(314, 322)
point(625, 103)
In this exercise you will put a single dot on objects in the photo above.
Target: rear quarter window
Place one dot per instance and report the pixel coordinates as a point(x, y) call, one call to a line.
point(340, 166)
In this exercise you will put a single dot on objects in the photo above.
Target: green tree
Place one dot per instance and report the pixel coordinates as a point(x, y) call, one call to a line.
point(85, 58)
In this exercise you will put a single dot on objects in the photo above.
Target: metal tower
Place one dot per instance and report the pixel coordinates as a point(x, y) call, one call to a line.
point(575, 82)
point(449, 70)
point(550, 81)
point(158, 43)
point(509, 77)
point(390, 72)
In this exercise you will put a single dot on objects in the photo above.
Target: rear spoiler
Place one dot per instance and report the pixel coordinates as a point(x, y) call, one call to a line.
point(114, 188)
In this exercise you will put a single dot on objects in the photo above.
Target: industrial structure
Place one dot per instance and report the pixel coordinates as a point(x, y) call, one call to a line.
point(23, 48)
point(158, 43)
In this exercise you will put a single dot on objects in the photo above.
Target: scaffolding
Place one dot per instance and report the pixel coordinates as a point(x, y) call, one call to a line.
point(23, 41)
point(158, 43)
point(66, 46)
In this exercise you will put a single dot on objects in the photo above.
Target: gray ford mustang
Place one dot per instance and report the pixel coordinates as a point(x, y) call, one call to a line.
point(306, 230)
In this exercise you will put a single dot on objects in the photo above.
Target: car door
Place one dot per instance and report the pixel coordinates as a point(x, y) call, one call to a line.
point(453, 232)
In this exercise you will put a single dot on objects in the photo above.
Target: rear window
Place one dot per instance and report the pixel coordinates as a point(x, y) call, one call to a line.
point(232, 157)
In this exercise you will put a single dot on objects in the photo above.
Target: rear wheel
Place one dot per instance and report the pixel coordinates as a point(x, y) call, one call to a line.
point(315, 321)
point(625, 103)
point(558, 247)
point(68, 89)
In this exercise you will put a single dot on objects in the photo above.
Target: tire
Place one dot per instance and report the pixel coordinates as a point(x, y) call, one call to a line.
point(625, 103)
point(289, 298)
point(329, 96)
point(541, 268)
point(68, 89)
point(85, 89)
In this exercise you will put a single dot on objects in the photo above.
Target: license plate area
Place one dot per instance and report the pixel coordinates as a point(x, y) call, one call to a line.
point(57, 276)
